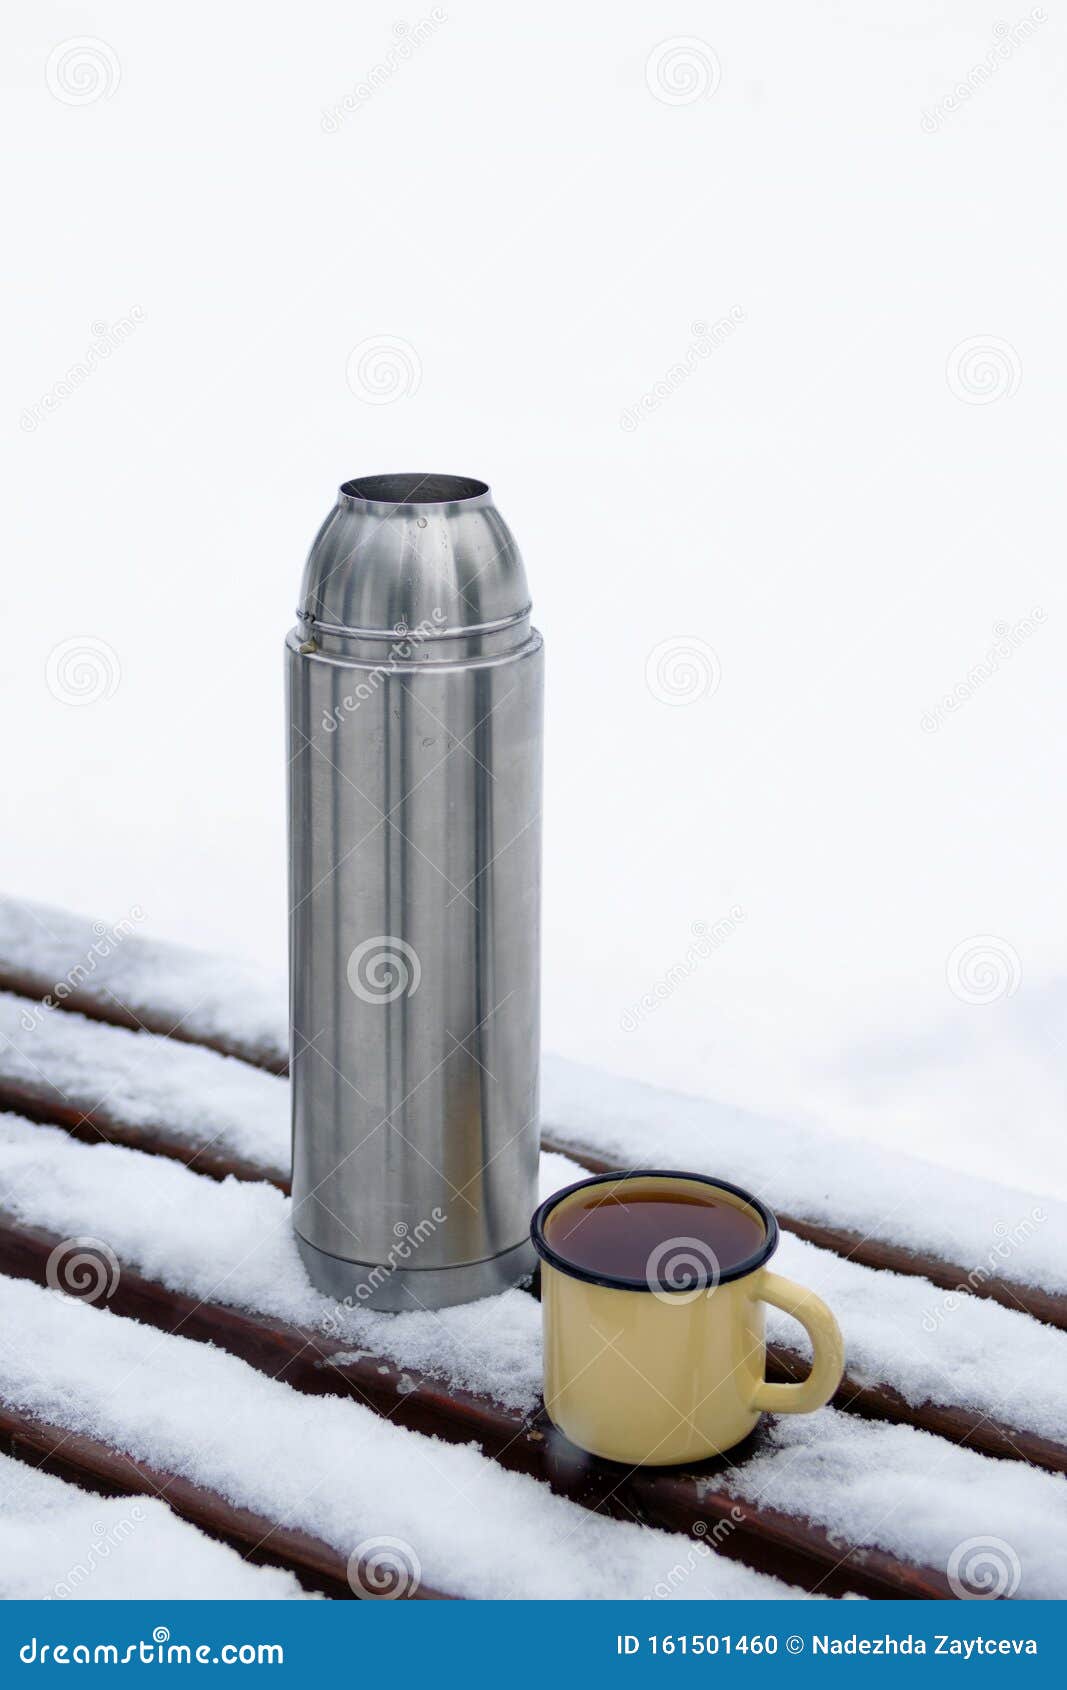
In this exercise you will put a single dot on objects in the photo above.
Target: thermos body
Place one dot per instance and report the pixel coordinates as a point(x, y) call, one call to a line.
point(414, 686)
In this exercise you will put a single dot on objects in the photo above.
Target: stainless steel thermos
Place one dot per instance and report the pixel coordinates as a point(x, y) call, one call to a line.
point(414, 684)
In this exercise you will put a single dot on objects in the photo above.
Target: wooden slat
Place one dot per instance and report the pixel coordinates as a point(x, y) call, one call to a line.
point(304, 1359)
point(959, 1425)
point(43, 1102)
point(96, 1466)
point(879, 1402)
point(112, 1012)
point(678, 1500)
point(40, 1101)
point(1047, 1306)
point(791, 1547)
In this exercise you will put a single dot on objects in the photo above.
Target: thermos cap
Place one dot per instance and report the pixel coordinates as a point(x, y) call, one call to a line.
point(414, 553)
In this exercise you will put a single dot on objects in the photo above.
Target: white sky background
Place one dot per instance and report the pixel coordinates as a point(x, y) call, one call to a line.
point(831, 500)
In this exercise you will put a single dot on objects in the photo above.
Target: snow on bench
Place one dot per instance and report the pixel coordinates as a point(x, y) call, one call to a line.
point(232, 1243)
point(932, 1346)
point(138, 1085)
point(996, 1230)
point(61, 1543)
point(104, 968)
point(897, 1487)
point(325, 1465)
point(202, 1106)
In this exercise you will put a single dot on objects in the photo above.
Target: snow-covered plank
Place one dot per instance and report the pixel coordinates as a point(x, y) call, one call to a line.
point(961, 1365)
point(215, 1113)
point(61, 1543)
point(94, 1464)
point(223, 1116)
point(108, 970)
point(877, 1207)
point(464, 1373)
point(886, 1210)
point(779, 1542)
point(997, 1527)
point(446, 1515)
point(232, 1243)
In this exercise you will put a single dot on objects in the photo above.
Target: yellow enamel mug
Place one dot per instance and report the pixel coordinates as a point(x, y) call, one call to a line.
point(640, 1371)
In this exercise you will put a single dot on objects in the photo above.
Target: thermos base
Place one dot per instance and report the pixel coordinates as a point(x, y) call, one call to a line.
point(399, 1290)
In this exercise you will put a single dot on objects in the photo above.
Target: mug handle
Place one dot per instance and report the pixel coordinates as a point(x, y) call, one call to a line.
point(827, 1345)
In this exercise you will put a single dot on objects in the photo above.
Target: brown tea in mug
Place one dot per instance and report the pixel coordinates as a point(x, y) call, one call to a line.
point(642, 1228)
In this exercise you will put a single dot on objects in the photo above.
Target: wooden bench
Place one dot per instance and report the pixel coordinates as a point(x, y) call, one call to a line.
point(126, 1056)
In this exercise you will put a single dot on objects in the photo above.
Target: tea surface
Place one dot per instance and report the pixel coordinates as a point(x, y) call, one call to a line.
point(667, 1234)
